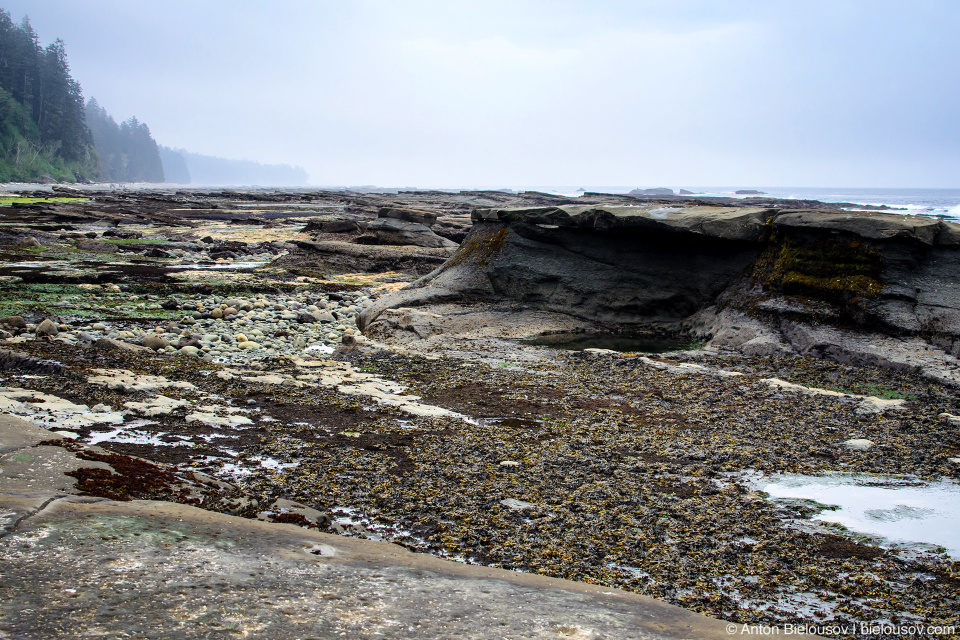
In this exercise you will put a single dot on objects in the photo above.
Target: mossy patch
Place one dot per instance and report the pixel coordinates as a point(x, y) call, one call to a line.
point(6, 201)
point(39, 298)
point(832, 270)
point(479, 247)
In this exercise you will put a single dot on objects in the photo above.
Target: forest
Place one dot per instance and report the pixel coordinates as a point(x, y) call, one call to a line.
point(48, 134)
point(43, 131)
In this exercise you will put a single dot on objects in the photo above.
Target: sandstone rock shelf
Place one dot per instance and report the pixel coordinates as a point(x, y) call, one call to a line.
point(768, 280)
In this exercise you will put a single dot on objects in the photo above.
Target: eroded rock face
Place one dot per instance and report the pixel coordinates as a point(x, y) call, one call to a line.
point(332, 224)
point(846, 285)
point(404, 227)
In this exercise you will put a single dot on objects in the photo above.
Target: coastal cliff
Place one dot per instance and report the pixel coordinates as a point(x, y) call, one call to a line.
point(845, 285)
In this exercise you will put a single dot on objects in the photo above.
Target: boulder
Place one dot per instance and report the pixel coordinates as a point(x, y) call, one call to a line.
point(858, 444)
point(28, 241)
point(124, 234)
point(190, 341)
point(332, 224)
point(154, 341)
point(410, 215)
point(108, 344)
point(14, 322)
point(403, 232)
point(85, 244)
point(47, 328)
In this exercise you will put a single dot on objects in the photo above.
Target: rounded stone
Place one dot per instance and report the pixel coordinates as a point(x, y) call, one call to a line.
point(249, 344)
point(858, 444)
point(16, 322)
point(47, 328)
point(154, 341)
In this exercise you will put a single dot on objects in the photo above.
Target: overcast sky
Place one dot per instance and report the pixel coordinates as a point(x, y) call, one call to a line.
point(454, 93)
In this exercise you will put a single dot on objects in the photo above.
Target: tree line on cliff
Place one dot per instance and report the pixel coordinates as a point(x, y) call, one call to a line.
point(42, 124)
point(48, 134)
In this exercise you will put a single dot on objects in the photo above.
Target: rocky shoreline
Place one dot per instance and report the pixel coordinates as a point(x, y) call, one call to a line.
point(439, 429)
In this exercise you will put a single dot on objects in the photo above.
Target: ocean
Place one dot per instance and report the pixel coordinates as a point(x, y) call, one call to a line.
point(943, 203)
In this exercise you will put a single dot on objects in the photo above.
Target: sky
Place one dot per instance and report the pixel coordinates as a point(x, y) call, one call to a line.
point(451, 93)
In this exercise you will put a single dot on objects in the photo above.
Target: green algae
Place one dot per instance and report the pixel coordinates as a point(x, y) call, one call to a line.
point(827, 269)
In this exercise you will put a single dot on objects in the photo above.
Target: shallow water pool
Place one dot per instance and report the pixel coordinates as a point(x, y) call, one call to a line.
point(903, 511)
point(613, 341)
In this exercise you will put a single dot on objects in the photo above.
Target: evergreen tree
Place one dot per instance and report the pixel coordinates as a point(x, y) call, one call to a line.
point(43, 131)
point(128, 152)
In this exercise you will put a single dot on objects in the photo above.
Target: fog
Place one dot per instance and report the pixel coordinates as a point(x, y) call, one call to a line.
point(553, 92)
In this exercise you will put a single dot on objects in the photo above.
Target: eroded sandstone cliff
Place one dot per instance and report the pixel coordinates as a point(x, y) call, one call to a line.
point(853, 286)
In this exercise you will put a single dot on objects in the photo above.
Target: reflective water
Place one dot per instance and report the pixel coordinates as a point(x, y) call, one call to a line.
point(901, 510)
point(613, 341)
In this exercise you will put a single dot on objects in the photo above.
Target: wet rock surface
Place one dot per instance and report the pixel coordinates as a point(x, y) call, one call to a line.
point(154, 569)
point(436, 428)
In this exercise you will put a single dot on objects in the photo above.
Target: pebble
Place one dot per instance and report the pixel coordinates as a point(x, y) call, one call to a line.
point(216, 328)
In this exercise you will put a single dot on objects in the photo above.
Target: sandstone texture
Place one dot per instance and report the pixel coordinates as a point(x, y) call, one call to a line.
point(215, 361)
point(72, 565)
point(860, 287)
point(404, 227)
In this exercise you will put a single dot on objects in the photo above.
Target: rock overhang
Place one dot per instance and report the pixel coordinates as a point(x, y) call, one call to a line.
point(750, 224)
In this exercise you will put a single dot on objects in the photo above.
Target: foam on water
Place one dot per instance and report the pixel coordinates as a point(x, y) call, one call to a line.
point(903, 511)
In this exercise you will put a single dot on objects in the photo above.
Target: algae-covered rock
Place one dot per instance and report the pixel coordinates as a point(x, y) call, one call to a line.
point(13, 322)
point(47, 328)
